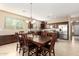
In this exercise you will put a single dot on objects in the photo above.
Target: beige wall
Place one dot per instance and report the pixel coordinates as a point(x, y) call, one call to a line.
point(4, 31)
point(57, 20)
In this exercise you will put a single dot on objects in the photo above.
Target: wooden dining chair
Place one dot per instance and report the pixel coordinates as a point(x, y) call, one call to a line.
point(20, 41)
point(44, 34)
point(17, 39)
point(29, 47)
point(49, 48)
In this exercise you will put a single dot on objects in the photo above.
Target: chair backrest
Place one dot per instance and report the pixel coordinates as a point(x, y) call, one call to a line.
point(44, 33)
point(25, 39)
point(38, 32)
point(16, 36)
point(21, 38)
point(53, 40)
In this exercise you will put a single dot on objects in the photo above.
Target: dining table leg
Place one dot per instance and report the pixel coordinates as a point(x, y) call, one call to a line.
point(36, 51)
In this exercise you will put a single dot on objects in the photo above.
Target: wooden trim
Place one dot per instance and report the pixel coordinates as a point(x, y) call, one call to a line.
point(68, 30)
point(6, 39)
point(58, 23)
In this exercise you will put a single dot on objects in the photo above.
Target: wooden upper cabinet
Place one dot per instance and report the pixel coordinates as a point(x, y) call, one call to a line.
point(43, 25)
point(30, 25)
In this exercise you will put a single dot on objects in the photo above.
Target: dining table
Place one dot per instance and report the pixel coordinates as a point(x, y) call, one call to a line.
point(39, 41)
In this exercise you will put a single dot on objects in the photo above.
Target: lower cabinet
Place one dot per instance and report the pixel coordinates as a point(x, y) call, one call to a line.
point(6, 39)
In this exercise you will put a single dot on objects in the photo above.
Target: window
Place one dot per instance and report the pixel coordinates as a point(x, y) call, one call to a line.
point(13, 23)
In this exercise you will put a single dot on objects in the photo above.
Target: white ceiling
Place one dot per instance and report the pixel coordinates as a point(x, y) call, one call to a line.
point(42, 11)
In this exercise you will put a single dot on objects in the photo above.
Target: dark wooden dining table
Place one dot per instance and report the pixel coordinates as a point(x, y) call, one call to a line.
point(39, 41)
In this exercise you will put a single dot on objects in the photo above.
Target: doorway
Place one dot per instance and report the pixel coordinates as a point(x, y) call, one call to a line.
point(75, 30)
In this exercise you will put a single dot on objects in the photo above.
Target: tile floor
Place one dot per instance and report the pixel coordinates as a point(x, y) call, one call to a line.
point(62, 48)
